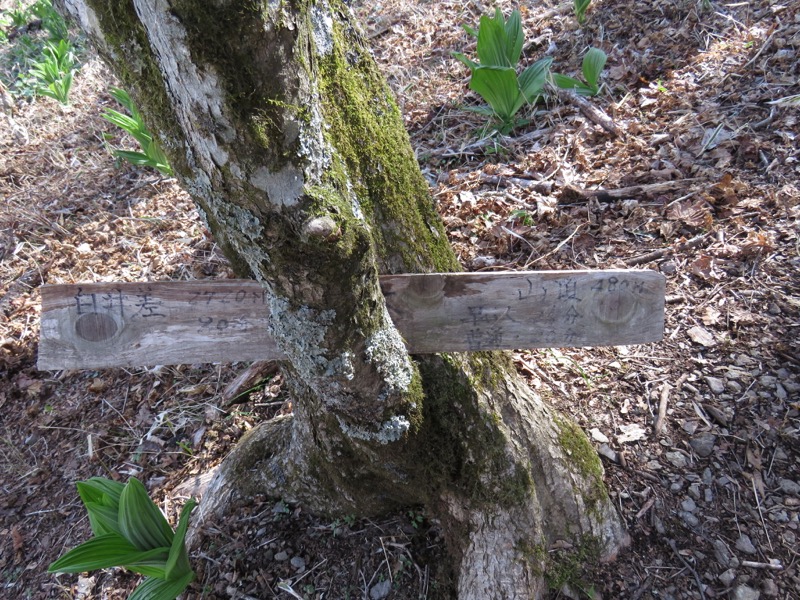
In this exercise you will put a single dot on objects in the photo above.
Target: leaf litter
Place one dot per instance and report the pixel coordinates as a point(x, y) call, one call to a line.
point(699, 183)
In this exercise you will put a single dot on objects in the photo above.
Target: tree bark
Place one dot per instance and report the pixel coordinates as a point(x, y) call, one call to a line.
point(278, 123)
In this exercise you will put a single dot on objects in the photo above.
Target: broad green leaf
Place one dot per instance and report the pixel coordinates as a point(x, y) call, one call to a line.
point(499, 87)
point(533, 79)
point(470, 30)
point(140, 521)
point(120, 120)
point(178, 562)
point(593, 64)
point(138, 159)
point(160, 589)
point(101, 490)
point(492, 43)
point(570, 83)
point(471, 64)
point(102, 518)
point(102, 552)
point(514, 37)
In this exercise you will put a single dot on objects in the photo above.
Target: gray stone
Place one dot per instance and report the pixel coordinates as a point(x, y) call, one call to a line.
point(743, 592)
point(694, 491)
point(743, 544)
point(380, 590)
point(703, 443)
point(689, 518)
point(770, 588)
point(282, 555)
point(298, 563)
point(728, 577)
point(716, 384)
point(708, 476)
point(789, 487)
point(722, 554)
point(677, 459)
point(688, 505)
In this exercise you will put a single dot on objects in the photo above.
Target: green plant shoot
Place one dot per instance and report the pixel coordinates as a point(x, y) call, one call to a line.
point(130, 532)
point(494, 75)
point(593, 63)
point(580, 7)
point(151, 155)
point(53, 75)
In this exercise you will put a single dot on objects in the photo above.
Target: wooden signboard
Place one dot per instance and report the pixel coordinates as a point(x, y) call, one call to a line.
point(161, 323)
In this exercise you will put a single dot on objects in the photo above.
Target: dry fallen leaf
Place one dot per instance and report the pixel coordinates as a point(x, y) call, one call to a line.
point(17, 540)
point(631, 433)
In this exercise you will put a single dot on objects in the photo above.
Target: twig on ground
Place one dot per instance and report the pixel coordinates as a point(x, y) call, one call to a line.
point(688, 566)
point(591, 112)
point(658, 427)
point(774, 564)
point(571, 193)
point(656, 254)
point(554, 250)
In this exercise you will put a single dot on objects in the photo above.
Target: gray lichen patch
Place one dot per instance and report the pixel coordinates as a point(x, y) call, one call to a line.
point(284, 187)
point(386, 351)
point(300, 333)
point(390, 431)
point(322, 28)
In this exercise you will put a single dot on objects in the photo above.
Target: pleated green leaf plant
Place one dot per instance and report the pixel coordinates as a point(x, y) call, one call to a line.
point(130, 532)
point(151, 155)
point(593, 63)
point(494, 75)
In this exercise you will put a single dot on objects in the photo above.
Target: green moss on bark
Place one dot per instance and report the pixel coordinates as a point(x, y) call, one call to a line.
point(583, 457)
point(463, 444)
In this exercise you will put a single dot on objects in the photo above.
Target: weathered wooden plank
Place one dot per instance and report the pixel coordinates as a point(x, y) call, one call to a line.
point(128, 324)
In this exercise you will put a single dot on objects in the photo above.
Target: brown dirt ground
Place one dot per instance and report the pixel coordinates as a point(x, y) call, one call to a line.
point(711, 499)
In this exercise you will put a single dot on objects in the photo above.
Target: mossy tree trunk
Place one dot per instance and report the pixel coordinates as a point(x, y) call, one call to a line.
point(278, 123)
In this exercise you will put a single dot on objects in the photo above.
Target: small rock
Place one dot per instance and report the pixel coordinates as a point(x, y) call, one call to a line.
point(689, 518)
point(701, 336)
point(282, 555)
point(694, 491)
point(743, 544)
point(677, 459)
point(770, 588)
point(734, 386)
point(380, 590)
point(722, 554)
point(703, 443)
point(668, 267)
point(605, 450)
point(298, 563)
point(728, 577)
point(708, 476)
point(768, 381)
point(688, 505)
point(743, 592)
point(598, 436)
point(789, 487)
point(717, 385)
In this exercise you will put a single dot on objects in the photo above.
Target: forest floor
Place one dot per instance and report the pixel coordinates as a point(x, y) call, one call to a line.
point(699, 433)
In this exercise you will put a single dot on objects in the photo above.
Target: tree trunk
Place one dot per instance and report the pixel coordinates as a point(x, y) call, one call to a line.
point(278, 123)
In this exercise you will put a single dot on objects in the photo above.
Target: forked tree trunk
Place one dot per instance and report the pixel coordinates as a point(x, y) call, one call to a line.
point(278, 123)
